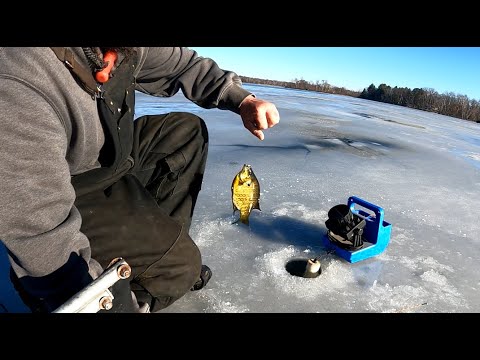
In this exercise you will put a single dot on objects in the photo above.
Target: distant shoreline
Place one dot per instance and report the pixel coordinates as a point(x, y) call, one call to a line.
point(426, 99)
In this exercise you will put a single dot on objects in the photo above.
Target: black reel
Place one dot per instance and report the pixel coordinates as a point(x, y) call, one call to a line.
point(345, 228)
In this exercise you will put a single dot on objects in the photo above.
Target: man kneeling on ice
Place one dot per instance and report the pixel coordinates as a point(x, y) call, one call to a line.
point(83, 183)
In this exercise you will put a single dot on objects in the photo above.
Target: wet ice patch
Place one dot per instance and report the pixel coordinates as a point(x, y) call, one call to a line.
point(441, 290)
point(434, 287)
point(473, 156)
point(297, 210)
point(430, 207)
point(408, 262)
point(221, 303)
point(434, 264)
point(434, 277)
point(402, 298)
point(358, 144)
point(422, 263)
point(207, 232)
point(401, 236)
point(336, 142)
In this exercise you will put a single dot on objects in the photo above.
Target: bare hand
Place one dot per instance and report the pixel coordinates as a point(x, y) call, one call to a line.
point(258, 115)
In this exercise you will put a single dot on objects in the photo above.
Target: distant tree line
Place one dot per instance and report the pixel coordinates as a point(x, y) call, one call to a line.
point(301, 84)
point(448, 103)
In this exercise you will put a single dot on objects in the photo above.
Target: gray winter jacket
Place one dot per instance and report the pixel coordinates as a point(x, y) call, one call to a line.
point(50, 130)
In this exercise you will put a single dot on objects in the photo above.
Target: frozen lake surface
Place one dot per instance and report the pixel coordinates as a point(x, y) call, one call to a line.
point(422, 168)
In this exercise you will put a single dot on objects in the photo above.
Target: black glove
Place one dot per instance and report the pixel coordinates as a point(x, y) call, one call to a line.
point(46, 293)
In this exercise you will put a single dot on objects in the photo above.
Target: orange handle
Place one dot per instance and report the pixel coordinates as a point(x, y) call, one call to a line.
point(103, 75)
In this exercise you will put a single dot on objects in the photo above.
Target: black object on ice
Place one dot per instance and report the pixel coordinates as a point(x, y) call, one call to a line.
point(345, 228)
point(205, 275)
point(307, 268)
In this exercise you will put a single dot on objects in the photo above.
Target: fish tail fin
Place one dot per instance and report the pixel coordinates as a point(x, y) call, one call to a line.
point(244, 218)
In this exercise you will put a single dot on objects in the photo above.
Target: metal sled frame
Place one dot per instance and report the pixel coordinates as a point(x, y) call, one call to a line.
point(376, 234)
point(97, 296)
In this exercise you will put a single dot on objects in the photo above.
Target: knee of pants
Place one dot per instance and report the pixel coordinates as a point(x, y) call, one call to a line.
point(192, 133)
point(194, 125)
point(171, 277)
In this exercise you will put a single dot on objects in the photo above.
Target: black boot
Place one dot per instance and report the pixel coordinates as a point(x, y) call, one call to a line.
point(205, 276)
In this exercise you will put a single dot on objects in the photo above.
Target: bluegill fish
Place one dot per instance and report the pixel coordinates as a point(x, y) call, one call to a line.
point(245, 193)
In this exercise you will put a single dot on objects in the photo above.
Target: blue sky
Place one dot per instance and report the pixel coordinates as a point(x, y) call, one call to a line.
point(455, 69)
